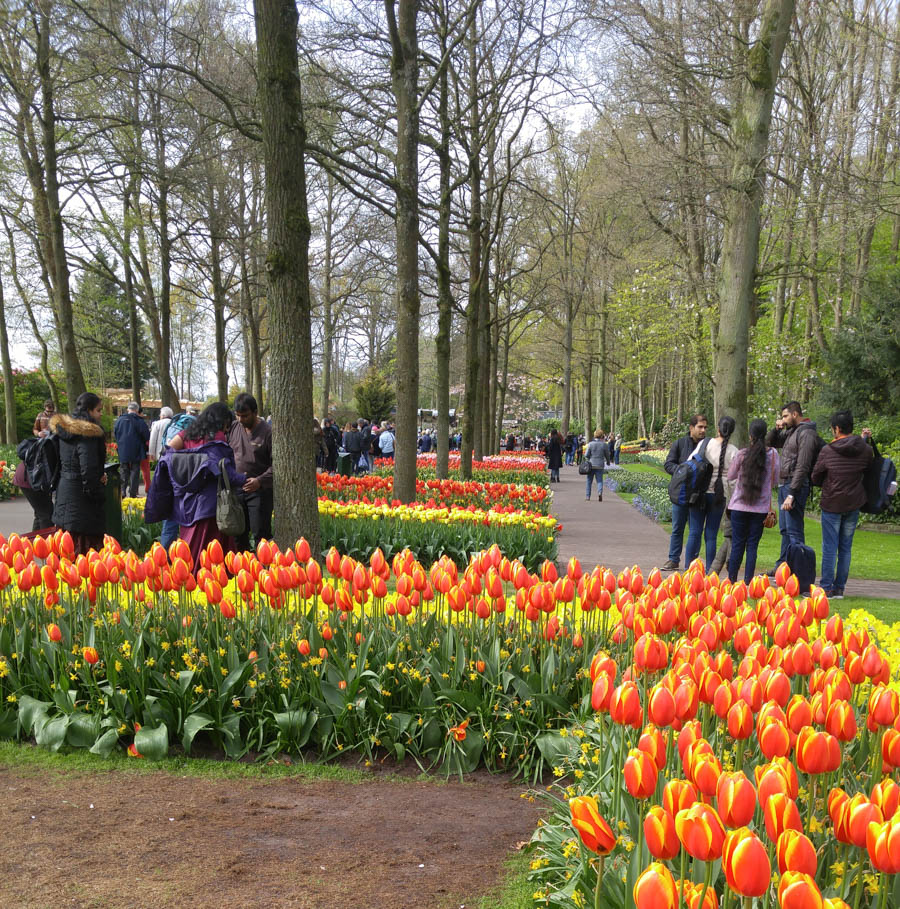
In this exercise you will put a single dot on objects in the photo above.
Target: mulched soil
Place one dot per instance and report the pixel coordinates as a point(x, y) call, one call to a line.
point(159, 840)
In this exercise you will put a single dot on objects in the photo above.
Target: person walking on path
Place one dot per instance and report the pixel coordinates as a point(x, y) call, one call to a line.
point(250, 439)
point(42, 420)
point(596, 455)
point(132, 437)
point(799, 442)
point(839, 470)
point(187, 480)
point(754, 471)
point(81, 494)
point(679, 452)
point(553, 452)
point(704, 522)
point(618, 447)
point(386, 442)
point(157, 433)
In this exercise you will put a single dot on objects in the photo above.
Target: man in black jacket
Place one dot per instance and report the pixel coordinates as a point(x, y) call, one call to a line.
point(679, 452)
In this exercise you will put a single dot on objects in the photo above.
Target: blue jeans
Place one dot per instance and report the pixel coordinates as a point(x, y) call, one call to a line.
point(790, 523)
point(617, 456)
point(589, 477)
point(837, 540)
point(704, 522)
point(746, 532)
point(681, 514)
point(554, 474)
point(170, 531)
point(570, 458)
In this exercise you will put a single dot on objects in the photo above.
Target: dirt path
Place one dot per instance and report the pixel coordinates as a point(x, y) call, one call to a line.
point(158, 840)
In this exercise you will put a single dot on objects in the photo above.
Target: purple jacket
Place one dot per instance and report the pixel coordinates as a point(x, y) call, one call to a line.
point(186, 482)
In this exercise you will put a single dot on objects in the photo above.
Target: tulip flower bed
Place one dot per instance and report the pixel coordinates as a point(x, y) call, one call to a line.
point(268, 652)
point(379, 490)
point(743, 750)
point(512, 467)
point(357, 529)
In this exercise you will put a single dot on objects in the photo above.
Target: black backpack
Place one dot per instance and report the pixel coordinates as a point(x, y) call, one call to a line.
point(41, 457)
point(801, 560)
point(691, 479)
point(878, 478)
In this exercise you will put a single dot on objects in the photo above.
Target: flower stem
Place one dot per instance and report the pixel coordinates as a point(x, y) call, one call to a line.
point(683, 869)
point(599, 883)
point(706, 882)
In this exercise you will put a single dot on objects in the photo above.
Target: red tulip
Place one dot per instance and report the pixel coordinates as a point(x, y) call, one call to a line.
point(640, 774)
point(740, 720)
point(678, 795)
point(886, 795)
point(884, 705)
point(693, 892)
point(781, 813)
point(799, 891)
point(701, 832)
point(90, 655)
point(796, 853)
point(735, 799)
point(883, 845)
point(746, 863)
point(661, 705)
point(54, 633)
point(655, 889)
point(594, 831)
point(625, 705)
point(660, 834)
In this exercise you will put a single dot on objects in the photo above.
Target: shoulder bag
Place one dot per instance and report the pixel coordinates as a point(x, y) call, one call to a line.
point(229, 507)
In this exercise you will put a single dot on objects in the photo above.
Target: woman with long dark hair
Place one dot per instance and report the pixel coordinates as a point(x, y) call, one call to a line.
point(705, 520)
point(554, 455)
point(755, 470)
point(187, 479)
point(81, 493)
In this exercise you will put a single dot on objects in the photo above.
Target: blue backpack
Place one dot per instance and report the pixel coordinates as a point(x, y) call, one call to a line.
point(178, 422)
point(691, 479)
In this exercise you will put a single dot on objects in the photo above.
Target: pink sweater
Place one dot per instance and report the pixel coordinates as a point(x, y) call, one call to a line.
point(763, 501)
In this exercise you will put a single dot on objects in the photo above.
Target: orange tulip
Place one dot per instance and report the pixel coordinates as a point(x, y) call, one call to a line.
point(660, 834)
point(883, 845)
point(54, 633)
point(704, 770)
point(796, 853)
point(886, 795)
point(735, 799)
point(774, 738)
point(841, 721)
point(746, 863)
point(661, 705)
point(860, 813)
point(740, 720)
point(90, 655)
point(640, 773)
point(595, 833)
point(701, 832)
point(799, 891)
point(884, 705)
point(625, 705)
point(653, 742)
point(655, 888)
point(817, 752)
point(678, 795)
point(693, 892)
point(601, 692)
point(781, 813)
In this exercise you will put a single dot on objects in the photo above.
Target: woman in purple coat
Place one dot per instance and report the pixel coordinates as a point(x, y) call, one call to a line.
point(187, 479)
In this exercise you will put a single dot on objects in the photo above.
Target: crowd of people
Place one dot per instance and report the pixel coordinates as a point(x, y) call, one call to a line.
point(786, 460)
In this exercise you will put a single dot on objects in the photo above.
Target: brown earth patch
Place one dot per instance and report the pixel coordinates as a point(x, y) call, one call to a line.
point(159, 840)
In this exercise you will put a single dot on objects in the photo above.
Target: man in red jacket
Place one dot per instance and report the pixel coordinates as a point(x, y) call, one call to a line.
point(840, 470)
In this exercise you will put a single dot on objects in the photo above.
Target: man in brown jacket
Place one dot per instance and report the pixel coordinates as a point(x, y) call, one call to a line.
point(840, 470)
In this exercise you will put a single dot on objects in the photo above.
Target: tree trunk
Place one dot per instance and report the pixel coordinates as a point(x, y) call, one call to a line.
point(287, 267)
point(134, 361)
point(750, 137)
point(404, 81)
point(218, 292)
point(445, 293)
point(58, 263)
point(9, 397)
point(327, 303)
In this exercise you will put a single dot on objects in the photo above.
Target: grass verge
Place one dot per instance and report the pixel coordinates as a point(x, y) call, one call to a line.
point(514, 892)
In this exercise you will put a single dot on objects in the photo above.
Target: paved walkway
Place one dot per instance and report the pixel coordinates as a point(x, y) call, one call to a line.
point(614, 534)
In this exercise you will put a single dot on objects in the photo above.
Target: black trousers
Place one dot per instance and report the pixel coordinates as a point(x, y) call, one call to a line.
point(258, 515)
point(42, 505)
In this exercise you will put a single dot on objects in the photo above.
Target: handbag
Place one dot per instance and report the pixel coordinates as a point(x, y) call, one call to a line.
point(584, 468)
point(229, 507)
point(771, 519)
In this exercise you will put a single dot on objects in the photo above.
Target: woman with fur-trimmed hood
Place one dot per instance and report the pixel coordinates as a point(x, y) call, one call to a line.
point(80, 496)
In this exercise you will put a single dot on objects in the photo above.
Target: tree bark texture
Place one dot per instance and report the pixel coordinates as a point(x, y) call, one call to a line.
point(401, 15)
point(751, 121)
point(9, 398)
point(287, 269)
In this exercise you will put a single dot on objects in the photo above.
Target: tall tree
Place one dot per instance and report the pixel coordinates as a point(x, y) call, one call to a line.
point(287, 268)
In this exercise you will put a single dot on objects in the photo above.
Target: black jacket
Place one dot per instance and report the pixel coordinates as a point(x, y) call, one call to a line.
point(679, 452)
point(80, 495)
point(800, 446)
point(840, 470)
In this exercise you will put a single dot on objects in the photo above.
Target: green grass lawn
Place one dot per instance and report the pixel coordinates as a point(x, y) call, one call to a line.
point(884, 610)
point(876, 554)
